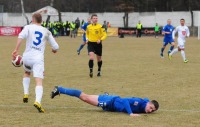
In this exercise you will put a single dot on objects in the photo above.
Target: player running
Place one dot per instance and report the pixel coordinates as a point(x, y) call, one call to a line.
point(84, 27)
point(183, 32)
point(33, 56)
point(131, 105)
point(167, 32)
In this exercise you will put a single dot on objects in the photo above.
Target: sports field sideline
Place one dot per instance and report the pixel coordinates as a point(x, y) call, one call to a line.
point(131, 67)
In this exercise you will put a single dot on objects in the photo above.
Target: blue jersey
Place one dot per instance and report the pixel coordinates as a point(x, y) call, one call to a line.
point(84, 27)
point(168, 37)
point(128, 105)
point(168, 28)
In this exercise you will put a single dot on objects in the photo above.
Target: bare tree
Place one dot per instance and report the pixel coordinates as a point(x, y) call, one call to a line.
point(126, 7)
point(48, 17)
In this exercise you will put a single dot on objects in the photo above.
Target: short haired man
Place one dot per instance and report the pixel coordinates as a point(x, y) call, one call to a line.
point(95, 34)
point(167, 32)
point(33, 56)
point(183, 33)
point(131, 105)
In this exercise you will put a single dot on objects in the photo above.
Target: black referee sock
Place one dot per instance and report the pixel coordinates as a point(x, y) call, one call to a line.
point(91, 64)
point(99, 66)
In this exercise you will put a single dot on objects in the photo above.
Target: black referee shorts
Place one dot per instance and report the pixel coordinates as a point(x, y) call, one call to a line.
point(96, 48)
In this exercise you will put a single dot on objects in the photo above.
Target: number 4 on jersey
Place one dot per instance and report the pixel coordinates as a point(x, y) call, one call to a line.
point(38, 38)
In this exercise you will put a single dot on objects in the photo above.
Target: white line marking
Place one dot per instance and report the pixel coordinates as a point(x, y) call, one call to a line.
point(66, 107)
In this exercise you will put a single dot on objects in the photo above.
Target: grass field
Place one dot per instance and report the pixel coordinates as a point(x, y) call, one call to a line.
point(131, 67)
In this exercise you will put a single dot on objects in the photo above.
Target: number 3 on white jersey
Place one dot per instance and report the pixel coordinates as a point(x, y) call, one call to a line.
point(39, 36)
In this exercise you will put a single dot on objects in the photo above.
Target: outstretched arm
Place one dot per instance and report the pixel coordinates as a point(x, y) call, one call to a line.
point(188, 32)
point(53, 43)
point(128, 108)
point(22, 35)
point(15, 52)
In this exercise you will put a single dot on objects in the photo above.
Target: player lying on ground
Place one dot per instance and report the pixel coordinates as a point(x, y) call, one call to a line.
point(132, 105)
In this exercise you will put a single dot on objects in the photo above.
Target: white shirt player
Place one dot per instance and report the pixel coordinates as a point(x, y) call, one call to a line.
point(36, 37)
point(183, 32)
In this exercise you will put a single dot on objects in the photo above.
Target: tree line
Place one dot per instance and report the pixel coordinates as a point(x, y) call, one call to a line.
point(92, 6)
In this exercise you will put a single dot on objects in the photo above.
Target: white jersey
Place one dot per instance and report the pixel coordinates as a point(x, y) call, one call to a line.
point(36, 37)
point(183, 32)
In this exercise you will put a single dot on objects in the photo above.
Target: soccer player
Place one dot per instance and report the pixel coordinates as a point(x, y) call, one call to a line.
point(131, 105)
point(84, 27)
point(95, 34)
point(167, 32)
point(33, 56)
point(183, 32)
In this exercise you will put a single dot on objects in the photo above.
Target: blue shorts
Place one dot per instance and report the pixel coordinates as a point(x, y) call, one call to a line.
point(84, 37)
point(166, 41)
point(109, 100)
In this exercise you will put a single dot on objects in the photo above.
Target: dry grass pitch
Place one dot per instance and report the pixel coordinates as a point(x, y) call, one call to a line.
point(131, 67)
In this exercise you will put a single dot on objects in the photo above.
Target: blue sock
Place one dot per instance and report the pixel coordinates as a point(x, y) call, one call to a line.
point(171, 48)
point(70, 92)
point(162, 49)
point(81, 47)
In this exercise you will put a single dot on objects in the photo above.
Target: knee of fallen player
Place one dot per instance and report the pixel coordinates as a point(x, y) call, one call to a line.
point(83, 97)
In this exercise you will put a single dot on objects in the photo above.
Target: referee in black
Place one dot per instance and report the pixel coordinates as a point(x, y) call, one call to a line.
point(95, 34)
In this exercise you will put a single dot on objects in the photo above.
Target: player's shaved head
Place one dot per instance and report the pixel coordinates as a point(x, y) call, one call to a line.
point(88, 19)
point(169, 21)
point(37, 17)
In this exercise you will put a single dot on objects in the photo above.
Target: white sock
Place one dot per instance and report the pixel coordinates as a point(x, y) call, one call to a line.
point(38, 93)
point(174, 51)
point(26, 83)
point(183, 54)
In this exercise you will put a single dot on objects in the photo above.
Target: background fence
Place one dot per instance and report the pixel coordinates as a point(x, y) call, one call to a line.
point(148, 19)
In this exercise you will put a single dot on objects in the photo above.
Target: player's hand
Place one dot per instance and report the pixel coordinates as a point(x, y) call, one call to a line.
point(54, 51)
point(134, 115)
point(99, 41)
point(167, 32)
point(14, 54)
